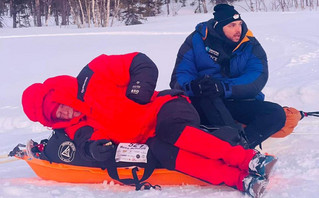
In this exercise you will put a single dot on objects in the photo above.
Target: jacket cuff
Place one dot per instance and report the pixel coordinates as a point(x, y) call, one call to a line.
point(188, 89)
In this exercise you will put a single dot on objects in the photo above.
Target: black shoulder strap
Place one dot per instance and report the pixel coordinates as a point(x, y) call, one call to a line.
point(213, 107)
point(208, 106)
point(224, 113)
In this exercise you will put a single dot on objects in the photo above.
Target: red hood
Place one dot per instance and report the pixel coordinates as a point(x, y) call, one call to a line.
point(64, 91)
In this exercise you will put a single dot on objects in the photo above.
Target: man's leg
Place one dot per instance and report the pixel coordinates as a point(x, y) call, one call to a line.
point(262, 118)
point(212, 171)
point(178, 125)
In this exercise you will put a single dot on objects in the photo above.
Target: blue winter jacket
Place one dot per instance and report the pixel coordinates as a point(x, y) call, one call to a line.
point(248, 69)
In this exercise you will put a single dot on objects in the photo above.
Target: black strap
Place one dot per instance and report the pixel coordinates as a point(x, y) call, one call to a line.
point(209, 104)
point(138, 183)
point(306, 114)
point(224, 113)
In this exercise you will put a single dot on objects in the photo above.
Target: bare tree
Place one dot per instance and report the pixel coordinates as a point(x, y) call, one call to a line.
point(204, 6)
point(260, 5)
point(116, 10)
point(93, 13)
point(74, 13)
point(88, 12)
point(220, 1)
point(48, 4)
point(250, 5)
point(82, 12)
point(63, 7)
point(13, 13)
point(98, 13)
point(38, 13)
point(103, 13)
point(108, 5)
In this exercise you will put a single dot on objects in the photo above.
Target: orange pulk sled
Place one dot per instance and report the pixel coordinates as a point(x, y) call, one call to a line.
point(81, 174)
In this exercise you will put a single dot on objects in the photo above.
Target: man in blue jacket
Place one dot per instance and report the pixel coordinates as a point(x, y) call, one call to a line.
point(222, 59)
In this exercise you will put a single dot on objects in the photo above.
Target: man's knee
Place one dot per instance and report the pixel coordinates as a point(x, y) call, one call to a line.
point(278, 117)
point(173, 117)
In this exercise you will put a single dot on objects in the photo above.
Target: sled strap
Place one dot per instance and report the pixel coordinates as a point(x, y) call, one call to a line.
point(144, 185)
point(139, 184)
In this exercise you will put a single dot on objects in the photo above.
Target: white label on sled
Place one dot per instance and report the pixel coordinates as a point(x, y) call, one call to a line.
point(131, 152)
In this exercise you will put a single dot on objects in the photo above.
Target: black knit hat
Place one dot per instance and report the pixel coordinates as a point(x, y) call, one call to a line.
point(223, 15)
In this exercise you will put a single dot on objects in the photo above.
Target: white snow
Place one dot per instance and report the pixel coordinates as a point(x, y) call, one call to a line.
point(33, 54)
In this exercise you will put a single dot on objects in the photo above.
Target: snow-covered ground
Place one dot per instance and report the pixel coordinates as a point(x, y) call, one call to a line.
point(31, 55)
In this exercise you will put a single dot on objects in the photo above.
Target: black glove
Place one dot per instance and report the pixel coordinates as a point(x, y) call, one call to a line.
point(101, 150)
point(207, 86)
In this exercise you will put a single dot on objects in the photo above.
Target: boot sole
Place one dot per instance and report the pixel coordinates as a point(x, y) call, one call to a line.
point(262, 189)
point(269, 168)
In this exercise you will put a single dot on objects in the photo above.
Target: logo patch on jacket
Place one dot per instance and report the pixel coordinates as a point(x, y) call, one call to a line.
point(66, 151)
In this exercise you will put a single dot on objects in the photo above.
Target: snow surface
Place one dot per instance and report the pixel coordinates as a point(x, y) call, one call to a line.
point(33, 54)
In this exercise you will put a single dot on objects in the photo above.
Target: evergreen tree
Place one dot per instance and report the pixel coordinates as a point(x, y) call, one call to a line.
point(20, 12)
point(2, 10)
point(132, 12)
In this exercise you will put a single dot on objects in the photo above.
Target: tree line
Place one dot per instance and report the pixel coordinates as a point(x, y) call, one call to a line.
point(281, 5)
point(103, 13)
point(87, 13)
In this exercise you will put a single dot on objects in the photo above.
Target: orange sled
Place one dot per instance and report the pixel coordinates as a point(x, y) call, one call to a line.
point(81, 174)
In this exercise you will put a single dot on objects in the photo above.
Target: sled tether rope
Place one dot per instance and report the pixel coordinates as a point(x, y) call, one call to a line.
point(313, 113)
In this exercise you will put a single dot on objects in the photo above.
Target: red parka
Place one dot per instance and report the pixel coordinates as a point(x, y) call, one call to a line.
point(114, 93)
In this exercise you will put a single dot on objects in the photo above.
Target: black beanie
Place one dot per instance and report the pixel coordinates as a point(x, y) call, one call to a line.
point(223, 15)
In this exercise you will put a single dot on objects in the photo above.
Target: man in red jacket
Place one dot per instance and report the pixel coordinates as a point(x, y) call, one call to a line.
point(113, 99)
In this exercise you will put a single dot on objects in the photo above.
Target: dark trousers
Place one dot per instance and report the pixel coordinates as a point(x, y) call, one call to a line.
point(173, 117)
point(179, 144)
point(262, 118)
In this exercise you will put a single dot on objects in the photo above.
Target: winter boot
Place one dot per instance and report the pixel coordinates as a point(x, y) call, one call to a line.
point(262, 165)
point(255, 185)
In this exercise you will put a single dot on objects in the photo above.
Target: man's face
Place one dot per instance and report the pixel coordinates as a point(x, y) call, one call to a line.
point(65, 112)
point(233, 30)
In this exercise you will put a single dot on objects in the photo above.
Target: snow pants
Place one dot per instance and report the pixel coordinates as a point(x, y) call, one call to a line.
point(262, 118)
point(181, 145)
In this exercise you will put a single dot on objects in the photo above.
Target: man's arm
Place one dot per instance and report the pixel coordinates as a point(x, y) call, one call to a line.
point(143, 78)
point(92, 150)
point(135, 71)
point(185, 69)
